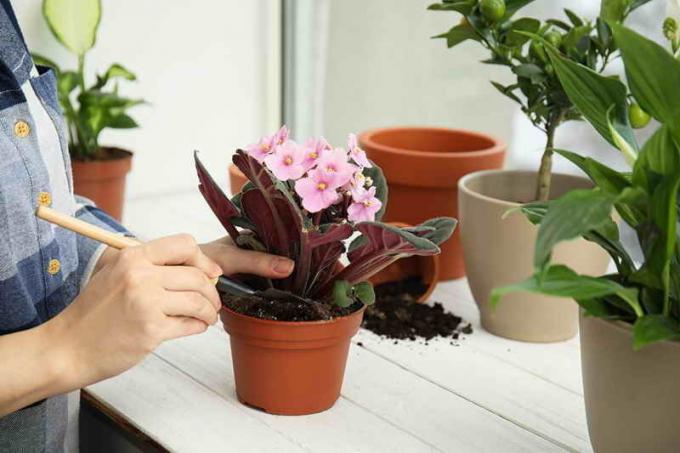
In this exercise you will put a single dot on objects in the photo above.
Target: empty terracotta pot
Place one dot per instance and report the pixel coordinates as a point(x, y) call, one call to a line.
point(631, 396)
point(103, 181)
point(422, 166)
point(289, 368)
point(425, 267)
point(499, 250)
point(236, 179)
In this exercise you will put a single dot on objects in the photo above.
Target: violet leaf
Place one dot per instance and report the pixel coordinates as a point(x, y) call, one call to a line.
point(222, 207)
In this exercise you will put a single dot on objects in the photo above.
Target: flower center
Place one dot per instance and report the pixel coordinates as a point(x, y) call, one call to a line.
point(288, 160)
point(264, 147)
point(321, 186)
point(331, 169)
point(368, 203)
point(313, 155)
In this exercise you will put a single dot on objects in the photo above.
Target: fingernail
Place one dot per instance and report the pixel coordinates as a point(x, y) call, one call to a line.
point(282, 265)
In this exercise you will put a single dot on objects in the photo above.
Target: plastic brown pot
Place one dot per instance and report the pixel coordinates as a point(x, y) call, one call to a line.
point(103, 181)
point(236, 179)
point(425, 267)
point(499, 250)
point(631, 396)
point(422, 166)
point(289, 368)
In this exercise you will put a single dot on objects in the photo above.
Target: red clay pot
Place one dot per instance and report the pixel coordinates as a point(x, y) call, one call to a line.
point(425, 267)
point(289, 368)
point(103, 181)
point(422, 166)
point(236, 179)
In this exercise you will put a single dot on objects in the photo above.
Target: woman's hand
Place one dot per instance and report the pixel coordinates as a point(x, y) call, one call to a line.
point(234, 260)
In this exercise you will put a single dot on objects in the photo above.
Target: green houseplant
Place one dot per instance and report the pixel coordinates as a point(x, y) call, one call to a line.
point(519, 43)
point(89, 108)
point(630, 324)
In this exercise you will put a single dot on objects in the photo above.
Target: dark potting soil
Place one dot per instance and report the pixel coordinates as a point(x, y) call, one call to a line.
point(397, 315)
point(284, 310)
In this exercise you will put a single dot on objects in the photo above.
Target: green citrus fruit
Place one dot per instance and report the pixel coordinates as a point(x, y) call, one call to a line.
point(638, 117)
point(492, 10)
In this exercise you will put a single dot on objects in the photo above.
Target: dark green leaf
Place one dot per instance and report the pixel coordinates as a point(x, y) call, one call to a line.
point(613, 10)
point(42, 60)
point(507, 91)
point(530, 71)
point(573, 17)
point(569, 217)
point(121, 121)
point(463, 7)
point(592, 93)
point(607, 179)
point(653, 74)
point(458, 34)
point(512, 6)
point(560, 281)
point(67, 82)
point(660, 154)
point(526, 24)
point(654, 328)
point(559, 24)
point(438, 229)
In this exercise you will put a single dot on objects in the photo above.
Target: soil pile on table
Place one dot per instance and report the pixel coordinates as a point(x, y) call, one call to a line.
point(397, 314)
point(284, 310)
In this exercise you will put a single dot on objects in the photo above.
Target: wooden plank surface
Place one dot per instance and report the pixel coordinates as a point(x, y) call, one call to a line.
point(482, 393)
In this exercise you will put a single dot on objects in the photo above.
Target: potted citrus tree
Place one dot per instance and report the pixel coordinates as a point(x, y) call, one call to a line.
point(498, 247)
point(290, 343)
point(99, 172)
point(630, 319)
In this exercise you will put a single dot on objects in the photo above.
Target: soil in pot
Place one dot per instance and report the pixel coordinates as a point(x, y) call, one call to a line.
point(285, 310)
point(397, 314)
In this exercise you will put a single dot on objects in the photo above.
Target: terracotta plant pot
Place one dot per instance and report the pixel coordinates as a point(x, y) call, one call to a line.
point(236, 179)
point(499, 251)
point(422, 166)
point(289, 368)
point(425, 267)
point(103, 181)
point(631, 396)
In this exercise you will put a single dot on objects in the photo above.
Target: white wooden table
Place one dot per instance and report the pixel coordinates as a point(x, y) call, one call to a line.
point(483, 393)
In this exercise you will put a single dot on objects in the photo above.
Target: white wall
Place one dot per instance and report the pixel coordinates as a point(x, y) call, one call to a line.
point(210, 70)
point(383, 70)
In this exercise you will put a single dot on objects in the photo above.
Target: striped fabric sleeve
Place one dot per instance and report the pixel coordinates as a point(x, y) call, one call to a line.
point(89, 250)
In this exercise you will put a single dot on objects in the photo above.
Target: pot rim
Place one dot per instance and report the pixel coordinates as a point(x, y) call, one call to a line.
point(462, 187)
point(498, 146)
point(292, 324)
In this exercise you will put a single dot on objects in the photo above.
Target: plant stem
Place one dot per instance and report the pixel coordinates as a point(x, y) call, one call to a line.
point(545, 170)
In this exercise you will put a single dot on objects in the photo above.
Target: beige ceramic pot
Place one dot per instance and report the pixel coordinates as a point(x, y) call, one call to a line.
point(499, 251)
point(632, 397)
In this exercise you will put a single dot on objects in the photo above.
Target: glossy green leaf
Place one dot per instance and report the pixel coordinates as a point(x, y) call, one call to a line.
point(613, 10)
point(73, 22)
point(660, 154)
point(570, 216)
point(653, 328)
point(593, 95)
point(652, 72)
point(560, 281)
point(525, 24)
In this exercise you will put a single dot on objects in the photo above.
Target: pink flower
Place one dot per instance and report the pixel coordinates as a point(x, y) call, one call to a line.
point(317, 190)
point(357, 154)
point(335, 162)
point(364, 207)
point(281, 136)
point(313, 149)
point(286, 161)
point(261, 149)
point(357, 182)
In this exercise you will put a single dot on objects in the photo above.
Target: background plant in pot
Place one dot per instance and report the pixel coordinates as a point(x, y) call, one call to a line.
point(498, 249)
point(304, 202)
point(630, 324)
point(98, 171)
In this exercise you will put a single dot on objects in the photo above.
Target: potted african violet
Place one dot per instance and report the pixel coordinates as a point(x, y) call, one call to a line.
point(99, 172)
point(497, 246)
point(427, 269)
point(630, 319)
point(306, 202)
